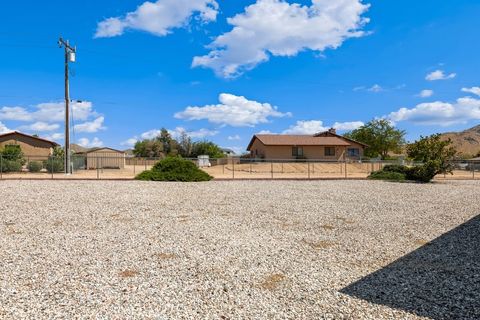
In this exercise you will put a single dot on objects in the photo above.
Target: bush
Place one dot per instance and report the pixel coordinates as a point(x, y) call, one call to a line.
point(387, 175)
point(174, 169)
point(11, 165)
point(54, 165)
point(34, 166)
point(423, 173)
point(396, 168)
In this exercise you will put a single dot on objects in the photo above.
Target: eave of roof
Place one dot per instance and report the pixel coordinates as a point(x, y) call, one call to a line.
point(29, 136)
point(298, 140)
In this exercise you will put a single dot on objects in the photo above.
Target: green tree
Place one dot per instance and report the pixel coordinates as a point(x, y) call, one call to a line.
point(380, 136)
point(434, 150)
point(207, 148)
point(148, 149)
point(185, 145)
point(170, 145)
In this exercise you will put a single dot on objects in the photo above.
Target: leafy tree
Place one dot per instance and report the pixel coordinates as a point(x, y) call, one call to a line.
point(170, 145)
point(148, 149)
point(435, 150)
point(207, 148)
point(13, 152)
point(185, 145)
point(380, 136)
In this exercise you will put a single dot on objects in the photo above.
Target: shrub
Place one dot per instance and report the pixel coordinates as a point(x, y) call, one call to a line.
point(387, 175)
point(396, 168)
point(174, 169)
point(54, 165)
point(423, 173)
point(11, 165)
point(34, 166)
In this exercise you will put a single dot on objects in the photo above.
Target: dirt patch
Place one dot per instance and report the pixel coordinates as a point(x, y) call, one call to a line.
point(273, 281)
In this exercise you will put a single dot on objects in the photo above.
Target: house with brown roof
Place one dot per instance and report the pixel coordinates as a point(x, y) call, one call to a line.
point(32, 147)
point(321, 146)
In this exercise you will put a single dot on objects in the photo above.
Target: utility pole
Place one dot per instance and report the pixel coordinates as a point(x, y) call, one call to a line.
point(70, 53)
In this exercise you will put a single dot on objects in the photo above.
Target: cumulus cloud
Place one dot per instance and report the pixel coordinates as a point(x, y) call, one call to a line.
point(278, 28)
point(234, 137)
point(4, 129)
point(87, 143)
point(315, 126)
point(440, 113)
point(159, 17)
point(91, 126)
point(426, 93)
point(48, 112)
point(439, 75)
point(129, 142)
point(194, 134)
point(54, 136)
point(235, 111)
point(41, 127)
point(375, 88)
point(474, 90)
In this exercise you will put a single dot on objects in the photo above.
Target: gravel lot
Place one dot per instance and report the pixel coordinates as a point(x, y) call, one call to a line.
point(237, 250)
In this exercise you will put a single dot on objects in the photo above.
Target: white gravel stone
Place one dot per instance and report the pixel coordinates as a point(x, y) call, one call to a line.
point(216, 250)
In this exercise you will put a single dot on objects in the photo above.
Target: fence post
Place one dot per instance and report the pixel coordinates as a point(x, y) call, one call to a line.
point(473, 170)
point(145, 160)
point(98, 170)
point(51, 166)
point(271, 168)
point(346, 173)
point(233, 168)
point(1, 166)
point(250, 166)
point(308, 169)
point(134, 163)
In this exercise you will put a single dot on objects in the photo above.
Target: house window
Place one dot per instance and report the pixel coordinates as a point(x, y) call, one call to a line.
point(297, 151)
point(329, 151)
point(353, 152)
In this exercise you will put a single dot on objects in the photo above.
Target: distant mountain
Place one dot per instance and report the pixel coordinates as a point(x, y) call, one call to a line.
point(467, 142)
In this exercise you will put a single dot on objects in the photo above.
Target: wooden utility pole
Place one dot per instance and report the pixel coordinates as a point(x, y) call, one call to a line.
point(69, 57)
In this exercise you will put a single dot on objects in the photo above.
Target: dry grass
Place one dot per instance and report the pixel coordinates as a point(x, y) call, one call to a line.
point(327, 227)
point(272, 281)
point(165, 256)
point(128, 273)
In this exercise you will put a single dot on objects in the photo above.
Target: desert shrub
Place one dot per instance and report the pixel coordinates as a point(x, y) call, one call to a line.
point(34, 166)
point(174, 169)
point(54, 165)
point(395, 168)
point(387, 175)
point(423, 173)
point(11, 165)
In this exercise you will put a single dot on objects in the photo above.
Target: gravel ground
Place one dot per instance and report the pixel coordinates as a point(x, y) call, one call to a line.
point(233, 250)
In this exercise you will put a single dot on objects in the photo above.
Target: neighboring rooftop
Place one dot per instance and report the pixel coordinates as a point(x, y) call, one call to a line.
point(54, 144)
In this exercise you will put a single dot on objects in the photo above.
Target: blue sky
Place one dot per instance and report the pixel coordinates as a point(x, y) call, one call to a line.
point(224, 70)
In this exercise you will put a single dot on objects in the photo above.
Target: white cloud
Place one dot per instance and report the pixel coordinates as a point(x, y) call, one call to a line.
point(159, 17)
point(41, 127)
point(426, 93)
point(54, 137)
point(91, 126)
point(234, 137)
point(265, 132)
point(4, 129)
point(278, 28)
point(315, 126)
point(129, 142)
point(439, 75)
point(474, 90)
point(195, 134)
point(48, 112)
point(440, 113)
point(95, 143)
point(375, 88)
point(236, 111)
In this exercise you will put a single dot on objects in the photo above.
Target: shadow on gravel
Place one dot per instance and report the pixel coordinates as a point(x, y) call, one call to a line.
point(440, 280)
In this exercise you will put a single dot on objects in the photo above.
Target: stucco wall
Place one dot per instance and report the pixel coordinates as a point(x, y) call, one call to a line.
point(31, 148)
point(310, 152)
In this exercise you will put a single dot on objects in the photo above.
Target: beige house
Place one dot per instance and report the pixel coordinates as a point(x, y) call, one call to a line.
point(32, 147)
point(103, 158)
point(321, 146)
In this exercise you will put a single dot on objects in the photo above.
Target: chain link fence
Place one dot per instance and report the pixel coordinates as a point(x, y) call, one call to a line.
point(120, 167)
